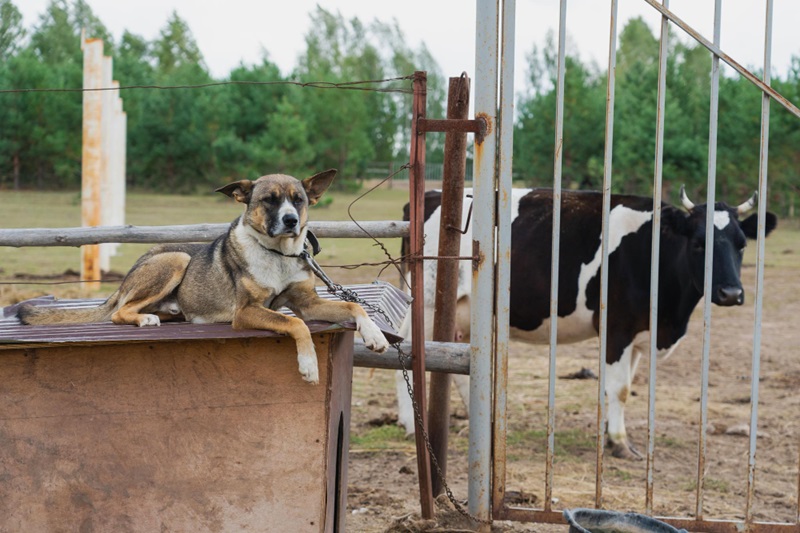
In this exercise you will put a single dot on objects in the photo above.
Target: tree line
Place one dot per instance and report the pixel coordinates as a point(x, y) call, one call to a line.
point(686, 124)
point(186, 140)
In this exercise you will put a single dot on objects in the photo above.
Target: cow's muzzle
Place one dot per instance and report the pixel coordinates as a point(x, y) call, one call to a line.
point(728, 296)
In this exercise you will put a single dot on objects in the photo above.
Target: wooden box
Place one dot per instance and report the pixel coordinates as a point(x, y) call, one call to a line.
point(211, 435)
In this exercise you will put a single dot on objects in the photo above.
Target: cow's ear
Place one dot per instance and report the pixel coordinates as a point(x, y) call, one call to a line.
point(750, 225)
point(676, 221)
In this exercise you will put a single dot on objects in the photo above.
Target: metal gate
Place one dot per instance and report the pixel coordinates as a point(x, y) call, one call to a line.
point(488, 414)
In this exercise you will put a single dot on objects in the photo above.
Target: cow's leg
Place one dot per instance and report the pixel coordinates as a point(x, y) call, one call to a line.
point(618, 386)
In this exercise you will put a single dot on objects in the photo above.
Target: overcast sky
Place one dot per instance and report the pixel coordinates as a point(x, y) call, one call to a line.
point(238, 30)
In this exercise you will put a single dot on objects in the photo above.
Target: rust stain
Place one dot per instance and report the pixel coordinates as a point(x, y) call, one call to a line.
point(478, 257)
point(486, 128)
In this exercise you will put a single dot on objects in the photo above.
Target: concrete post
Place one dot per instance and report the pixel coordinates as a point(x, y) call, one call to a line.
point(91, 158)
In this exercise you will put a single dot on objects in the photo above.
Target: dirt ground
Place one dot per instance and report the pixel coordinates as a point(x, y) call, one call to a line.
point(383, 490)
point(383, 487)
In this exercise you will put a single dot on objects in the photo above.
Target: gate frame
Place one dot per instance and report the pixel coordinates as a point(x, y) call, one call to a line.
point(494, 217)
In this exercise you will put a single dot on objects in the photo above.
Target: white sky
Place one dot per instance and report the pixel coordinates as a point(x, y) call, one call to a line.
point(238, 30)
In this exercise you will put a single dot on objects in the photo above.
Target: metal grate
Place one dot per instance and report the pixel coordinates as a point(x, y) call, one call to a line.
point(13, 334)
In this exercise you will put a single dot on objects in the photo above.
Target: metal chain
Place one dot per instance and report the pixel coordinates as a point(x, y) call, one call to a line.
point(350, 295)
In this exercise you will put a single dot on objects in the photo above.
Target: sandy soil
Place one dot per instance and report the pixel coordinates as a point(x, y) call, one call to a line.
point(383, 487)
point(383, 490)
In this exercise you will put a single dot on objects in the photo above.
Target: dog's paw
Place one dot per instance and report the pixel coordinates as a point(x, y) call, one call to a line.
point(307, 365)
point(148, 320)
point(373, 337)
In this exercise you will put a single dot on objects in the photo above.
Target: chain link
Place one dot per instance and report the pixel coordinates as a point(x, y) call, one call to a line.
point(350, 295)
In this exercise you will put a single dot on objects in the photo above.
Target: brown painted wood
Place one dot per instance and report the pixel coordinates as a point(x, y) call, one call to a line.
point(182, 436)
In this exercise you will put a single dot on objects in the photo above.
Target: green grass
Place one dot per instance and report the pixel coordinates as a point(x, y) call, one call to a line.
point(381, 438)
point(710, 484)
point(568, 443)
point(62, 209)
point(620, 474)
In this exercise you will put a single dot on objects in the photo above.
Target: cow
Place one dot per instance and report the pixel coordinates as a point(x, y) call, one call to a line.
point(681, 267)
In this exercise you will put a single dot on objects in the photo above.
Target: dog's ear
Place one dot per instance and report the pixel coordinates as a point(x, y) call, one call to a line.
point(238, 190)
point(317, 184)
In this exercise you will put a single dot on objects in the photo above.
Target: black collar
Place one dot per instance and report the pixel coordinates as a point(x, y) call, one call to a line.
point(311, 241)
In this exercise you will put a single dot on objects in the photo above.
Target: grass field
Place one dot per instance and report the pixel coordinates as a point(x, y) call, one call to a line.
point(62, 209)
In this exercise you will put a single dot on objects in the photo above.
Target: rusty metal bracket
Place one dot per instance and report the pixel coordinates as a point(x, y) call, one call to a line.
point(478, 126)
point(469, 218)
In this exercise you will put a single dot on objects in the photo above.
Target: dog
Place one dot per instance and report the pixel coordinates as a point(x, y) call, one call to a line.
point(242, 277)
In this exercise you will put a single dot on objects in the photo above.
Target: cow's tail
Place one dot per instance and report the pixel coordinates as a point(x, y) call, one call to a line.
point(37, 315)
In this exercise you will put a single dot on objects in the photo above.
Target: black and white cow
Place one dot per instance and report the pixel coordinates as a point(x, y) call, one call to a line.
point(630, 224)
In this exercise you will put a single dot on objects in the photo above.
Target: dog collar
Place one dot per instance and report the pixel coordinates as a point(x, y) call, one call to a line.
point(311, 241)
point(314, 242)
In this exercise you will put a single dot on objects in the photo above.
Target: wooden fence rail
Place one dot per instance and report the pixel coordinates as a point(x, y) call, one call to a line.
point(380, 229)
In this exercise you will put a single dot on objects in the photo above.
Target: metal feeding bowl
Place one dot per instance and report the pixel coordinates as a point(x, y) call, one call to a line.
point(598, 521)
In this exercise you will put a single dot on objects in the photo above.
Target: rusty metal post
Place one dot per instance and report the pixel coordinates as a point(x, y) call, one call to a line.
point(604, 241)
point(444, 322)
point(755, 373)
point(416, 176)
point(705, 365)
point(505, 159)
point(483, 274)
point(655, 253)
point(555, 258)
point(91, 158)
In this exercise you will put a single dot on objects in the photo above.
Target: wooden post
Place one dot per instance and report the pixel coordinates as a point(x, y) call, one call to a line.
point(91, 159)
point(444, 324)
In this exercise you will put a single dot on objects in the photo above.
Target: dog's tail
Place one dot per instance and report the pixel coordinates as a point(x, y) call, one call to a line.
point(36, 316)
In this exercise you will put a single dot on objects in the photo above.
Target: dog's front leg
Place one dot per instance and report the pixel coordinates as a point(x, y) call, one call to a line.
point(310, 306)
point(256, 316)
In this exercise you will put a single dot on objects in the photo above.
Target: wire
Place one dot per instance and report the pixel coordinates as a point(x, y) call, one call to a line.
point(348, 85)
point(378, 243)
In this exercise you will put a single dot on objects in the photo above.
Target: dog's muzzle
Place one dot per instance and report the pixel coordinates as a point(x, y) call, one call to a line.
point(286, 226)
point(290, 221)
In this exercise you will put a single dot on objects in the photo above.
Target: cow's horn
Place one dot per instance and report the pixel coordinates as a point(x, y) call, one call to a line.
point(748, 205)
point(685, 199)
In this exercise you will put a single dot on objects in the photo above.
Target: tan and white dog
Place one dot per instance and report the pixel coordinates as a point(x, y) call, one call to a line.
point(242, 277)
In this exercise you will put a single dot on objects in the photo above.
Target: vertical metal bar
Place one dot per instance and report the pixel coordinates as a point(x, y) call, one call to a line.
point(601, 387)
point(709, 261)
point(417, 216)
point(759, 303)
point(655, 254)
point(559, 155)
point(92, 155)
point(504, 199)
point(444, 318)
point(483, 274)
